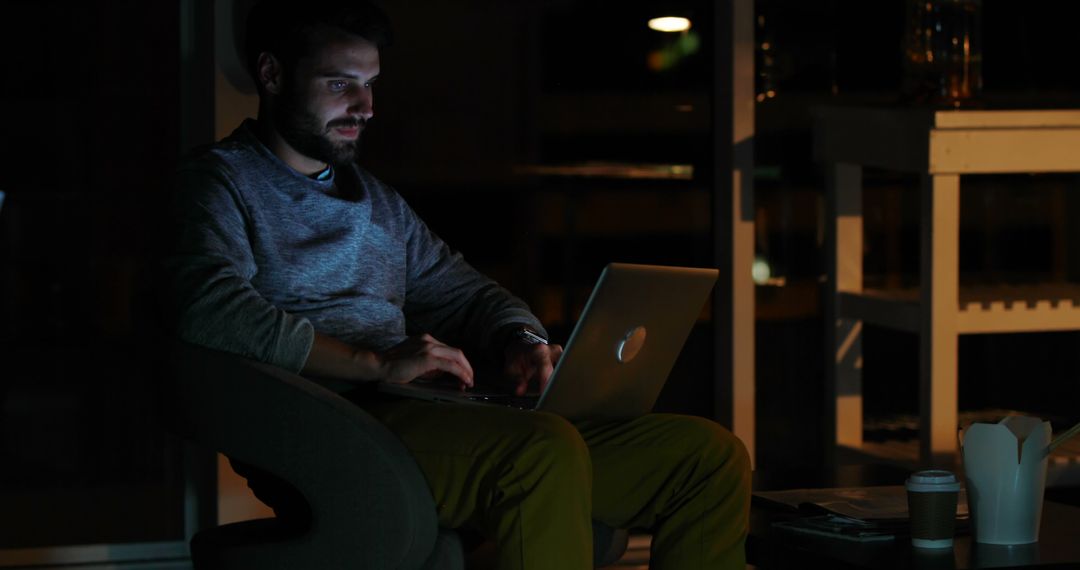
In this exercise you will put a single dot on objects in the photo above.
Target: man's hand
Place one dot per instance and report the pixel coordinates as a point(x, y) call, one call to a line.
point(423, 357)
point(528, 365)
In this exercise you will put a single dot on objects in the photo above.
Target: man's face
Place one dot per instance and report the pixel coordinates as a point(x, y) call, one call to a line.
point(327, 99)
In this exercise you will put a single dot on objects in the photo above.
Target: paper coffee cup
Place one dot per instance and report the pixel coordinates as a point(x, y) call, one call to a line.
point(932, 497)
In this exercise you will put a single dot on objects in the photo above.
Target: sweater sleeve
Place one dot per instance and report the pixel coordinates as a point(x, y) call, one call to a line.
point(208, 267)
point(449, 298)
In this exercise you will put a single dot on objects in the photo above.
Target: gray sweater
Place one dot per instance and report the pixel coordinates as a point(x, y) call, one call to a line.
point(262, 256)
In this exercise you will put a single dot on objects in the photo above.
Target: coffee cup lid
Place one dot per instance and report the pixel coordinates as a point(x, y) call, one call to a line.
point(933, 480)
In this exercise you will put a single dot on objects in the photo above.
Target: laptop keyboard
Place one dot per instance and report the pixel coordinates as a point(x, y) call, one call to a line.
point(524, 402)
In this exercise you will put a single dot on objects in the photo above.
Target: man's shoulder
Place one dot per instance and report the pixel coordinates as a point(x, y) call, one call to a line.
point(204, 156)
point(232, 153)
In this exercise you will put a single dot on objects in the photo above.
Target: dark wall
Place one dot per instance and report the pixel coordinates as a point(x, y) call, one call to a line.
point(90, 104)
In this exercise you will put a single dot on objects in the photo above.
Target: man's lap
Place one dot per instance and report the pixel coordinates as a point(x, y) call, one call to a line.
point(630, 459)
point(685, 478)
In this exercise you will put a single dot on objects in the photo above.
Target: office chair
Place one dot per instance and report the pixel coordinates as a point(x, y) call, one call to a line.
point(370, 505)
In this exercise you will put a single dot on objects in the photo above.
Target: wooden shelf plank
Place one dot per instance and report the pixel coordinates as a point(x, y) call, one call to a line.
point(1018, 317)
point(980, 310)
point(953, 142)
point(895, 310)
point(610, 170)
point(873, 137)
point(1021, 118)
point(996, 151)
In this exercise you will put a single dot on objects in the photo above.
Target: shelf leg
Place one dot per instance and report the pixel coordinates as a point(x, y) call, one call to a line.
point(940, 298)
point(844, 336)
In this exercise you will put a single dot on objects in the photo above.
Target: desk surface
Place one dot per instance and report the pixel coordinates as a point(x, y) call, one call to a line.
point(1059, 543)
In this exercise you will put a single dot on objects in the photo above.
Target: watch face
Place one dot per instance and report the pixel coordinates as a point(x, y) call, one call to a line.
point(529, 337)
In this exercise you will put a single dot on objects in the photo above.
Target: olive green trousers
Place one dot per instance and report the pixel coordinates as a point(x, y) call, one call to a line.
point(533, 482)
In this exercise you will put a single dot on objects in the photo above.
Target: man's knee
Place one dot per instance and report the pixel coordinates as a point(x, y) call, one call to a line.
point(715, 446)
point(554, 443)
point(549, 471)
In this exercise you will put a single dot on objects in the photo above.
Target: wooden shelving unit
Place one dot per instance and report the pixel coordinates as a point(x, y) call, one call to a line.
point(940, 146)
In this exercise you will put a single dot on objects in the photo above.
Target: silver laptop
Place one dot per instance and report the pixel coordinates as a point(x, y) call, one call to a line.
point(620, 352)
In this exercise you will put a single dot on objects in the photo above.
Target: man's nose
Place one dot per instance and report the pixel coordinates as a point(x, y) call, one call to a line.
point(362, 104)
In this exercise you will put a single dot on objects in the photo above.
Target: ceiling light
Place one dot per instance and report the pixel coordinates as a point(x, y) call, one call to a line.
point(669, 24)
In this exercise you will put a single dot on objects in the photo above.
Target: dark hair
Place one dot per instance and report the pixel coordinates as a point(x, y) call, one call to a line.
point(288, 28)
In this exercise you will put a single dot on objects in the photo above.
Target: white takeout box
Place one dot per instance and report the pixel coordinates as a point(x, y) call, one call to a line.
point(1005, 469)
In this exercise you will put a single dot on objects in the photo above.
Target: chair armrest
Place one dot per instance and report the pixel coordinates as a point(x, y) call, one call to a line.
point(370, 504)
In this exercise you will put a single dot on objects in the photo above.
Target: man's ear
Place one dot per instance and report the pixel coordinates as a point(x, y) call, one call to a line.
point(270, 71)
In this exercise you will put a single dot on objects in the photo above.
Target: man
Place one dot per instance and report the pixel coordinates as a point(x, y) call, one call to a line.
point(288, 252)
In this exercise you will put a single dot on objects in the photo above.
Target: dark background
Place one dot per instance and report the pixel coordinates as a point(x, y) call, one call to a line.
point(91, 129)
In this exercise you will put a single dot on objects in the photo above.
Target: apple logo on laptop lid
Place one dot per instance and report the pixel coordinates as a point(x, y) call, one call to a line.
point(630, 345)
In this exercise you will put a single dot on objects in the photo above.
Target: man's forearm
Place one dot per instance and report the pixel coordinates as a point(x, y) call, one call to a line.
point(331, 358)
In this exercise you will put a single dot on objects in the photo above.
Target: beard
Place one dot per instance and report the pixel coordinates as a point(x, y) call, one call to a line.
point(306, 133)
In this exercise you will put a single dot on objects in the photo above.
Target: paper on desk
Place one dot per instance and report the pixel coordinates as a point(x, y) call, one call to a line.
point(834, 526)
point(882, 503)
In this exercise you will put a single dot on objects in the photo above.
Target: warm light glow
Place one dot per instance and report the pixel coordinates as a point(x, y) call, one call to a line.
point(669, 24)
point(670, 55)
point(760, 271)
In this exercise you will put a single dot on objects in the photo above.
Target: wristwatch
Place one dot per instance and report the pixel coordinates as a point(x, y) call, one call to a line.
point(528, 336)
point(522, 334)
